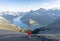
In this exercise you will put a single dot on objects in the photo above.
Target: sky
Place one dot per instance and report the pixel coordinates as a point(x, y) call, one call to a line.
point(27, 5)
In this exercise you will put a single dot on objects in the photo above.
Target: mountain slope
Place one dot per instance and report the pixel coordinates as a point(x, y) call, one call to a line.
point(53, 28)
point(41, 16)
point(7, 25)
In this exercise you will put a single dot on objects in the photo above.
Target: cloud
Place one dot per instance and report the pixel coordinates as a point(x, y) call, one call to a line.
point(46, 5)
point(55, 5)
point(18, 5)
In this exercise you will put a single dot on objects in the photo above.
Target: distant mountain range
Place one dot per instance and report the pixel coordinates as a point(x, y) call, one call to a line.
point(14, 17)
point(41, 16)
point(11, 15)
